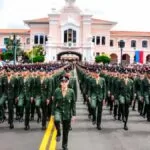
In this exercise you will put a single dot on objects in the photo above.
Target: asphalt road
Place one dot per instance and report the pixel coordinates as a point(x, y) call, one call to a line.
point(84, 135)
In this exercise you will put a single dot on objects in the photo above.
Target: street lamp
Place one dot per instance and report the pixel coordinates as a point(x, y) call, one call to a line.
point(15, 39)
point(121, 44)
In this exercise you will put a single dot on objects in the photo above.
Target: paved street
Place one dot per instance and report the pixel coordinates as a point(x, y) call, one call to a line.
point(84, 135)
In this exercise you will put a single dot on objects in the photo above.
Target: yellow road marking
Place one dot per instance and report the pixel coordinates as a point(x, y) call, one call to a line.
point(53, 141)
point(47, 135)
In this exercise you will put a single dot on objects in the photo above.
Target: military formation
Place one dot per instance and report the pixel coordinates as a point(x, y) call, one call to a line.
point(118, 87)
point(47, 90)
point(28, 90)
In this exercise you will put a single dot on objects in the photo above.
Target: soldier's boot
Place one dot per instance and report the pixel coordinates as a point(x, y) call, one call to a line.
point(11, 126)
point(27, 127)
point(44, 127)
point(125, 126)
point(99, 127)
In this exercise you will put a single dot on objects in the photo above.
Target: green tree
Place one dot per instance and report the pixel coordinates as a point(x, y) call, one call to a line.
point(8, 55)
point(10, 46)
point(102, 59)
point(36, 54)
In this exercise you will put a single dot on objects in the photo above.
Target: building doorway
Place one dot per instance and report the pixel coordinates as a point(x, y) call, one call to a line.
point(69, 56)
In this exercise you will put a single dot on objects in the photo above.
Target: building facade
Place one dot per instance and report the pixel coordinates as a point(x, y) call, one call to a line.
point(72, 31)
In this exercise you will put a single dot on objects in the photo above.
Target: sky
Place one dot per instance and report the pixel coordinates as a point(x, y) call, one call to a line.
point(131, 15)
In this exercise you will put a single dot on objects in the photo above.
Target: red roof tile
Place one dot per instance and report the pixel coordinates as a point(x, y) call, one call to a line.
point(38, 20)
point(99, 21)
point(7, 31)
point(129, 33)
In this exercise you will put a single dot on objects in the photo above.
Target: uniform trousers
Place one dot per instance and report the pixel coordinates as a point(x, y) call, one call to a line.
point(66, 128)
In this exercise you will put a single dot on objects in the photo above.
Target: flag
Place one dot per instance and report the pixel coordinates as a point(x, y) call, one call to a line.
point(139, 56)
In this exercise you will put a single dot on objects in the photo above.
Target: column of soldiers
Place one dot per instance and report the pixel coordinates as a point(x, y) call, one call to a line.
point(27, 89)
point(119, 87)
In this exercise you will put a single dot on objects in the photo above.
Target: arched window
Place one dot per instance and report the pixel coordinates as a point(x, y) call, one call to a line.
point(144, 44)
point(111, 43)
point(103, 40)
point(70, 36)
point(36, 39)
point(133, 43)
point(39, 39)
point(98, 40)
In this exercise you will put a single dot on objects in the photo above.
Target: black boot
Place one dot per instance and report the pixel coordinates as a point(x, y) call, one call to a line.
point(27, 127)
point(11, 126)
point(125, 127)
point(43, 127)
point(99, 128)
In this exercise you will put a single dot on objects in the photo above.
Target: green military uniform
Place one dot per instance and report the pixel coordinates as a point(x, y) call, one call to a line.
point(97, 95)
point(63, 110)
point(146, 95)
point(125, 97)
point(10, 94)
point(139, 91)
point(51, 94)
point(2, 100)
point(37, 97)
point(28, 95)
point(44, 96)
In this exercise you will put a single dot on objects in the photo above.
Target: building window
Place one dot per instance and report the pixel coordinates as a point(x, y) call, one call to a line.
point(144, 44)
point(74, 36)
point(6, 41)
point(46, 39)
point(103, 40)
point(28, 41)
point(111, 43)
point(98, 40)
point(133, 43)
point(70, 36)
point(41, 39)
point(93, 39)
point(97, 54)
point(36, 41)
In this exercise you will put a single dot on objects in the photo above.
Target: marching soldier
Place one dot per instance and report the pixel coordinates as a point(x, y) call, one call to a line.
point(45, 98)
point(97, 95)
point(125, 97)
point(2, 98)
point(146, 94)
point(28, 98)
point(64, 109)
point(20, 97)
point(10, 94)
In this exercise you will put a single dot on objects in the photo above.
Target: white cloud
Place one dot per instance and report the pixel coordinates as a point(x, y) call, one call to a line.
point(130, 14)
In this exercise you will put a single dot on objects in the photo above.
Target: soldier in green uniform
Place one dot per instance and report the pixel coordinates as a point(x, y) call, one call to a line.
point(45, 98)
point(28, 98)
point(64, 109)
point(97, 94)
point(20, 96)
point(10, 94)
point(2, 97)
point(146, 94)
point(51, 93)
point(125, 97)
point(33, 89)
point(139, 91)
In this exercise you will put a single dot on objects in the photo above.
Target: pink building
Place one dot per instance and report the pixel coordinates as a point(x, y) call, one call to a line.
point(71, 31)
